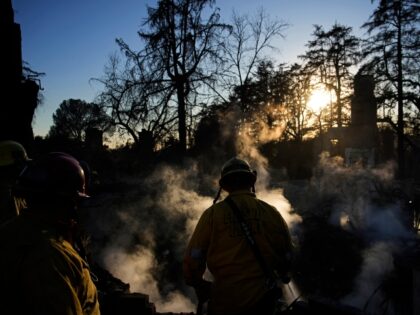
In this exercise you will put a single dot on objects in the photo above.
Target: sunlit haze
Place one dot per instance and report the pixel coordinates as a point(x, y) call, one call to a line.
point(319, 99)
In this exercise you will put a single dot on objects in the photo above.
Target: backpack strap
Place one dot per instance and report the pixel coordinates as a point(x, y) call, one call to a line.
point(269, 273)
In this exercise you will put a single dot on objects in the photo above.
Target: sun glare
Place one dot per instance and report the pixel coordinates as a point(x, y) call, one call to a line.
point(319, 99)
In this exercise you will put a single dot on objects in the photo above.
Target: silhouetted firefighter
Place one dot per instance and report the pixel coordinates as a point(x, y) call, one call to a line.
point(246, 245)
point(40, 270)
point(18, 94)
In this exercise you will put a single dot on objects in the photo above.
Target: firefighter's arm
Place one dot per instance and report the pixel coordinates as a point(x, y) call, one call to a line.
point(194, 268)
point(286, 250)
point(194, 264)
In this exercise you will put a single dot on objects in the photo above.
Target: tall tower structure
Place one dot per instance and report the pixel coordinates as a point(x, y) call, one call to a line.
point(18, 94)
point(362, 134)
point(363, 107)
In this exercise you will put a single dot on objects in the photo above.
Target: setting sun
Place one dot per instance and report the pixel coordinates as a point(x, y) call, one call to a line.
point(319, 99)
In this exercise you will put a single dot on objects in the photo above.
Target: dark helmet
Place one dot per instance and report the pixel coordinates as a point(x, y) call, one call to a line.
point(56, 174)
point(237, 170)
point(12, 153)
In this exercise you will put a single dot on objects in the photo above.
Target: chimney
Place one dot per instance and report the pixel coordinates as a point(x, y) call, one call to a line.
point(362, 134)
point(10, 35)
point(19, 95)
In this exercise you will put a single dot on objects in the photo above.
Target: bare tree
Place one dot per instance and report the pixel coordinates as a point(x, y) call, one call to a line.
point(299, 119)
point(250, 38)
point(182, 43)
point(156, 88)
point(136, 97)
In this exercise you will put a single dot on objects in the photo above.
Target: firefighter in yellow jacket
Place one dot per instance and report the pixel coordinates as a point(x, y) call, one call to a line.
point(239, 285)
point(41, 273)
point(13, 159)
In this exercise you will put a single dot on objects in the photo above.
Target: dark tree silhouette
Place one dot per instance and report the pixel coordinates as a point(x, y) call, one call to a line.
point(330, 55)
point(392, 51)
point(73, 117)
point(157, 87)
point(180, 43)
point(136, 98)
point(278, 97)
point(298, 118)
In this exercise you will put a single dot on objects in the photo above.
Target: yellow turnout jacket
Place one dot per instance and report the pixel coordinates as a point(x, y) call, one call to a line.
point(41, 274)
point(219, 243)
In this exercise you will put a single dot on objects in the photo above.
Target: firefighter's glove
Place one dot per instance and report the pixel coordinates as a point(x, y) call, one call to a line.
point(202, 290)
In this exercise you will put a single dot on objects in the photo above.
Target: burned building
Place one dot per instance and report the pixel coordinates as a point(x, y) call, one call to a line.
point(362, 134)
point(19, 93)
point(358, 142)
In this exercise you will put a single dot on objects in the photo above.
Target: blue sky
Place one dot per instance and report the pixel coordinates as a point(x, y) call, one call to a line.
point(71, 40)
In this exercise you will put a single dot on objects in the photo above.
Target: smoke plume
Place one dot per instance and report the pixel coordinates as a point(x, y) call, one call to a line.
point(142, 231)
point(368, 203)
point(143, 227)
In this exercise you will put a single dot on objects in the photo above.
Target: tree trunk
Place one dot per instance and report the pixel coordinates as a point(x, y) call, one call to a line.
point(182, 126)
point(339, 103)
point(400, 124)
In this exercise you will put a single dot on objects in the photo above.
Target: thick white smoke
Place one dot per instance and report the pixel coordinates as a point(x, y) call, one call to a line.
point(164, 209)
point(365, 204)
point(176, 198)
point(136, 268)
point(377, 264)
point(147, 227)
point(178, 193)
point(250, 137)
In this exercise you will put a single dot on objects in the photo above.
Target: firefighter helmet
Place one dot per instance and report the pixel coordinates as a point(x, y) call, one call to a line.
point(55, 174)
point(237, 168)
point(12, 153)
